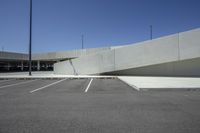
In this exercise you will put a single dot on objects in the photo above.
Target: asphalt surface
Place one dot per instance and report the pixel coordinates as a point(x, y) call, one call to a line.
point(109, 106)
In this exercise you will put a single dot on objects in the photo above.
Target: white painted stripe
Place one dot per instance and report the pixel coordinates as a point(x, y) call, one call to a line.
point(47, 86)
point(88, 85)
point(16, 84)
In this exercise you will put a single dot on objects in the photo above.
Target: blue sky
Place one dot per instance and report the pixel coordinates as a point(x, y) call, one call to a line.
point(59, 24)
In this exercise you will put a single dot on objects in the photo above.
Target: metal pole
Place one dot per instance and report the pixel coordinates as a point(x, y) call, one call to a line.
point(82, 37)
point(151, 32)
point(30, 39)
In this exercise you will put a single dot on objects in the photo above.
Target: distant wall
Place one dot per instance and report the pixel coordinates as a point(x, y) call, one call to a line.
point(173, 48)
point(67, 54)
point(12, 56)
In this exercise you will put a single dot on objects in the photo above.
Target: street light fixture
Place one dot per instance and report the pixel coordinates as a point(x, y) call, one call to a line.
point(151, 32)
point(82, 38)
point(30, 40)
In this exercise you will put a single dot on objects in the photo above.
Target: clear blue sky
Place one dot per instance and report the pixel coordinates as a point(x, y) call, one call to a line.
point(58, 24)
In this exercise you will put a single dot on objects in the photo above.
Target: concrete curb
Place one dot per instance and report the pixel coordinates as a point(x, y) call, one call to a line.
point(139, 83)
point(55, 77)
point(170, 89)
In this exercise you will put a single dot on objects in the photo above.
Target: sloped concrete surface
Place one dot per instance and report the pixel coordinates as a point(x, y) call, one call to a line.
point(169, 49)
point(161, 83)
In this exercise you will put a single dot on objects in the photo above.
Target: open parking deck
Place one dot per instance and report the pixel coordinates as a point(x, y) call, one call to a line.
point(91, 105)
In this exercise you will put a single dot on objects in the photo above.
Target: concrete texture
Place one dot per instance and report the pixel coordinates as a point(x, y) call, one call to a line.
point(183, 68)
point(51, 56)
point(56, 56)
point(189, 44)
point(110, 106)
point(161, 83)
point(181, 48)
point(10, 61)
point(12, 56)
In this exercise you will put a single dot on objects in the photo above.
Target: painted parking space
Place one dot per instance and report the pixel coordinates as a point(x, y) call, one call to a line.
point(46, 86)
point(9, 82)
point(88, 85)
point(109, 106)
point(66, 86)
point(16, 84)
point(4, 80)
point(22, 87)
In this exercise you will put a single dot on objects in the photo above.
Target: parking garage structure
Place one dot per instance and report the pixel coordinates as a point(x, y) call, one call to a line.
point(16, 62)
point(10, 61)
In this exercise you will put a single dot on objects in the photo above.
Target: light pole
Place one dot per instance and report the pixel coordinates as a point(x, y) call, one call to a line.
point(30, 39)
point(151, 32)
point(82, 39)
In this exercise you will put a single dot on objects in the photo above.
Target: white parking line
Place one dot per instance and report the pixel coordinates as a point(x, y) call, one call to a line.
point(88, 85)
point(16, 84)
point(47, 85)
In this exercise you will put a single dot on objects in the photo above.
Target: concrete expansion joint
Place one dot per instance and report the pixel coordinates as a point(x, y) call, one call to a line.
point(132, 86)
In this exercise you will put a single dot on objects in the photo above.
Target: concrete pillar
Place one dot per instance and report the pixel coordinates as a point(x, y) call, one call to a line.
point(22, 66)
point(46, 66)
point(38, 65)
point(8, 66)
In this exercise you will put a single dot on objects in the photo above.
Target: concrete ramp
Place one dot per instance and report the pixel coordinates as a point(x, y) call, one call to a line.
point(174, 55)
point(161, 83)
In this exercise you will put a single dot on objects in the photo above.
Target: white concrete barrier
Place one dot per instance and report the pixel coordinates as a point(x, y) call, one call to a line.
point(177, 54)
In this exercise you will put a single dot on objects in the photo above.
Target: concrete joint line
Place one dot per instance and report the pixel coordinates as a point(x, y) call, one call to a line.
point(133, 86)
point(89, 85)
point(17, 84)
point(47, 86)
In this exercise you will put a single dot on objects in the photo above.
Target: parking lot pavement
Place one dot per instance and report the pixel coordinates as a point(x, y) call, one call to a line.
point(22, 87)
point(109, 106)
point(9, 82)
point(67, 86)
point(1, 81)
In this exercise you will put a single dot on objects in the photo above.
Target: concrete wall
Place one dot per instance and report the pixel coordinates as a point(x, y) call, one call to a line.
point(12, 56)
point(173, 48)
point(189, 67)
point(93, 64)
point(67, 54)
point(147, 53)
point(52, 56)
point(189, 44)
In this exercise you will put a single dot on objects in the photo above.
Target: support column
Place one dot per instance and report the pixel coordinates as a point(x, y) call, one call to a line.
point(38, 65)
point(8, 66)
point(22, 66)
point(46, 66)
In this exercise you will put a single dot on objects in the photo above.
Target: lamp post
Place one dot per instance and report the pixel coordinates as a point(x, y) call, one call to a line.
point(151, 32)
point(30, 40)
point(82, 39)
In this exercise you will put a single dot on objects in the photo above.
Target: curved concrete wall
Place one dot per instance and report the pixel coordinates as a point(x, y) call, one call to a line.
point(52, 56)
point(67, 54)
point(189, 67)
point(173, 48)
